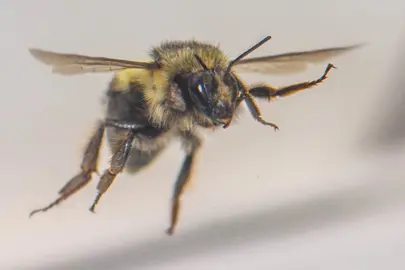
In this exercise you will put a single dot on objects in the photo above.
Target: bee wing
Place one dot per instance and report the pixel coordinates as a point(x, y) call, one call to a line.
point(287, 63)
point(73, 64)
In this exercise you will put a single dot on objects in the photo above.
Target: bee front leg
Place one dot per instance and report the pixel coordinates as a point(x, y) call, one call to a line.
point(117, 165)
point(270, 93)
point(255, 112)
point(88, 167)
point(192, 144)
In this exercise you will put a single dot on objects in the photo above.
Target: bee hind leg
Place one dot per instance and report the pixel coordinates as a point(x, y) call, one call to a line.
point(117, 165)
point(88, 167)
point(192, 145)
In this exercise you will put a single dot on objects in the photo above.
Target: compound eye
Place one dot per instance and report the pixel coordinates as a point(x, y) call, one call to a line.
point(202, 87)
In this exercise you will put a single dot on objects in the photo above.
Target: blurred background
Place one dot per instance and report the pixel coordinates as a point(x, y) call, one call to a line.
point(326, 191)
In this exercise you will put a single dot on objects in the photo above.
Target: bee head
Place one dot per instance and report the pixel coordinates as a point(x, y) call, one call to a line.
point(211, 94)
point(214, 92)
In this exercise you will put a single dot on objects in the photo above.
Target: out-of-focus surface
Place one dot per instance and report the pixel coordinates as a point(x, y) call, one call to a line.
point(322, 192)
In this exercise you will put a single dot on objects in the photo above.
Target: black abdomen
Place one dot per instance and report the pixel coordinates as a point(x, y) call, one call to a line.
point(129, 107)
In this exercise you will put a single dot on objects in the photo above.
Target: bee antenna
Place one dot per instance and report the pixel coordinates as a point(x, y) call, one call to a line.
point(201, 61)
point(257, 45)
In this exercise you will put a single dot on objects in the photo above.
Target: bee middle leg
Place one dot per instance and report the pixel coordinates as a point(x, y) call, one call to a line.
point(192, 145)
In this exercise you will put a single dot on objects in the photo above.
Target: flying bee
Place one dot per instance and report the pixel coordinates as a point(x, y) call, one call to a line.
point(186, 87)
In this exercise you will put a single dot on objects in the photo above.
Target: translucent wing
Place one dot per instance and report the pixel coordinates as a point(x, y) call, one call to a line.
point(72, 64)
point(289, 62)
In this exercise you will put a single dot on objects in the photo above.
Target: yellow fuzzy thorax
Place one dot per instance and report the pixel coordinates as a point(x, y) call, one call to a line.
point(179, 56)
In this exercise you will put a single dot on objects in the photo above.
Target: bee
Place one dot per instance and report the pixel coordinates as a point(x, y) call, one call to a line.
point(186, 87)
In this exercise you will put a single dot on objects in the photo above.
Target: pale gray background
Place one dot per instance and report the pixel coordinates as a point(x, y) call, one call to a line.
point(325, 192)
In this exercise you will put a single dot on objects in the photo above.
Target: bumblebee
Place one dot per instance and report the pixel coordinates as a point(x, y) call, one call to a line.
point(186, 87)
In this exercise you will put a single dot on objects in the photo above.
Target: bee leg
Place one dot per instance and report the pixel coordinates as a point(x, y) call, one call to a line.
point(117, 165)
point(88, 167)
point(255, 112)
point(192, 143)
point(271, 93)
